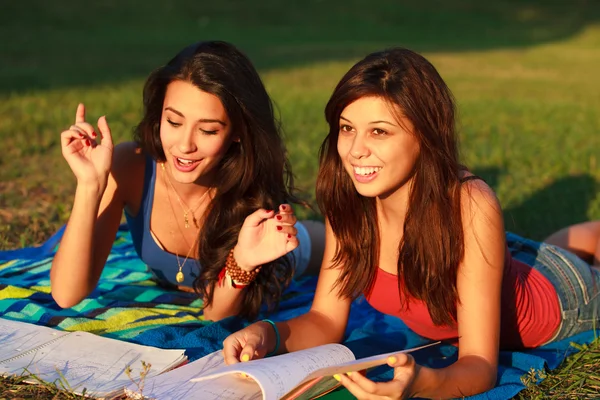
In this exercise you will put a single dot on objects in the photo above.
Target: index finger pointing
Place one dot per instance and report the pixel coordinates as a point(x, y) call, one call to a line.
point(80, 114)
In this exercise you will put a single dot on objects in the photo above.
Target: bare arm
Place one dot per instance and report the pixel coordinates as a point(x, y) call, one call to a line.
point(265, 236)
point(479, 288)
point(327, 318)
point(85, 245)
point(324, 323)
point(95, 216)
point(227, 301)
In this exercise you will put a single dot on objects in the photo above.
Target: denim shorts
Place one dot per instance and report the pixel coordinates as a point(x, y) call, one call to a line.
point(301, 254)
point(577, 284)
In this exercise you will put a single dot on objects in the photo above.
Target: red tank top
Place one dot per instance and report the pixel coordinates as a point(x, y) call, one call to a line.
point(530, 307)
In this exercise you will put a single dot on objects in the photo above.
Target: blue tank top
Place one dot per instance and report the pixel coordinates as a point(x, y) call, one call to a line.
point(162, 263)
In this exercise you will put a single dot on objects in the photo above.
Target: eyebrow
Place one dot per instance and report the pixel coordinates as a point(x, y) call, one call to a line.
point(218, 121)
point(372, 122)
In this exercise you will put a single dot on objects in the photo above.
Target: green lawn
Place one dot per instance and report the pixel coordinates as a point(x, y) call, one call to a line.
point(524, 74)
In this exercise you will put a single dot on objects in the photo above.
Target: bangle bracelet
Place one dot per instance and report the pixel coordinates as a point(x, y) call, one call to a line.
point(277, 339)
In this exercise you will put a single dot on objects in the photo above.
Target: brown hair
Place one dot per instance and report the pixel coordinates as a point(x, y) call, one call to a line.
point(432, 245)
point(254, 173)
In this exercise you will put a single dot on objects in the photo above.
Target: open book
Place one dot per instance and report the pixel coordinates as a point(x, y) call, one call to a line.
point(78, 361)
point(303, 374)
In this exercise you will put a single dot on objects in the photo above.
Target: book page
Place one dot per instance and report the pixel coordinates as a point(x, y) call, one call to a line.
point(17, 337)
point(177, 384)
point(83, 360)
point(278, 375)
point(361, 364)
point(322, 380)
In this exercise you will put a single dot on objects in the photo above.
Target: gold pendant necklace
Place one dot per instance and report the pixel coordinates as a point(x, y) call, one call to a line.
point(179, 276)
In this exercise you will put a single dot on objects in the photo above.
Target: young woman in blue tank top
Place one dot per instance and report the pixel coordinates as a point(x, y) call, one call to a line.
point(205, 189)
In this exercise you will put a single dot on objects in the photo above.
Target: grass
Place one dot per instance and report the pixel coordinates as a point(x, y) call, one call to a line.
point(524, 74)
point(17, 388)
point(577, 378)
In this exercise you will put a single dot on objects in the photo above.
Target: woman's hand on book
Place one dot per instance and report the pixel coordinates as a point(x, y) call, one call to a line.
point(88, 155)
point(265, 236)
point(248, 344)
point(405, 372)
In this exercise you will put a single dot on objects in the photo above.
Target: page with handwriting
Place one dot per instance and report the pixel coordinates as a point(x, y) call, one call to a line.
point(84, 360)
point(278, 375)
point(177, 384)
point(18, 337)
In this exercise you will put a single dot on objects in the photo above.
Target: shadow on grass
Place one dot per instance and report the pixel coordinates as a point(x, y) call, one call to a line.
point(70, 43)
point(563, 202)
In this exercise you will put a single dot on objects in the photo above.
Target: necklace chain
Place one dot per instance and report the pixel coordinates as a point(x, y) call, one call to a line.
point(179, 277)
point(183, 204)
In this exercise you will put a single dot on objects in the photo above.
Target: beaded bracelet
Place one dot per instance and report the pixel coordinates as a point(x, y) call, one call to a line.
point(277, 338)
point(234, 284)
point(237, 274)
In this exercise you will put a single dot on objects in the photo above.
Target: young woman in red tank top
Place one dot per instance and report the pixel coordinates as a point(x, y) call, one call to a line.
point(408, 226)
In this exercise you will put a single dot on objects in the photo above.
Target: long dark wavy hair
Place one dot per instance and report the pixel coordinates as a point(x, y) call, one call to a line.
point(254, 173)
point(432, 245)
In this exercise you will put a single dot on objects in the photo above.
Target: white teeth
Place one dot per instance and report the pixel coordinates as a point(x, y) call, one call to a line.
point(364, 171)
point(183, 161)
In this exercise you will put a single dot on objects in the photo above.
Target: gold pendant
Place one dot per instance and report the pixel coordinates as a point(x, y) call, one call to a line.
point(187, 222)
point(179, 277)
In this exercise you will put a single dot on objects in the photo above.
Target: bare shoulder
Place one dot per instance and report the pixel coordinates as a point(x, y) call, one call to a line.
point(478, 196)
point(127, 156)
point(482, 219)
point(128, 167)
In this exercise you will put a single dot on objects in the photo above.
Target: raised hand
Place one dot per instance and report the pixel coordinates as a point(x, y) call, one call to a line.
point(266, 236)
point(89, 159)
point(405, 371)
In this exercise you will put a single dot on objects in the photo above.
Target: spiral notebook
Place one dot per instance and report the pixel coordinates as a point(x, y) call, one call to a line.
point(78, 361)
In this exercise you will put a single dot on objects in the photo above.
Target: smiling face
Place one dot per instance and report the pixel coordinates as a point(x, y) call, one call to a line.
point(377, 151)
point(195, 133)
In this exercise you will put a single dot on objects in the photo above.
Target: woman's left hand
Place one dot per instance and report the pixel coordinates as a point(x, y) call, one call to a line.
point(266, 236)
point(405, 371)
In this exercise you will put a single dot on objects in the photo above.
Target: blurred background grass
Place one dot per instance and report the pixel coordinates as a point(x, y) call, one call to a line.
point(524, 74)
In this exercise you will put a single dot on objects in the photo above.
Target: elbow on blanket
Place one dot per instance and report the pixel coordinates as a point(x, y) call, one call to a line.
point(64, 300)
point(482, 381)
point(488, 384)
